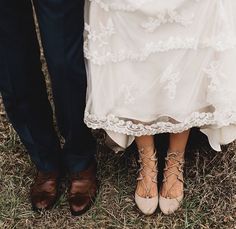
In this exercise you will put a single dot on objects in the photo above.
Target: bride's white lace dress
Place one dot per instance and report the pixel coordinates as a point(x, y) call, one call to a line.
point(158, 66)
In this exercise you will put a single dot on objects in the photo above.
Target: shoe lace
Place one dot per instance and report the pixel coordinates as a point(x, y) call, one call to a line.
point(177, 163)
point(143, 173)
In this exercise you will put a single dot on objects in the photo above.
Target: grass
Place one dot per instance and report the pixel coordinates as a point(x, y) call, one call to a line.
point(210, 191)
point(210, 201)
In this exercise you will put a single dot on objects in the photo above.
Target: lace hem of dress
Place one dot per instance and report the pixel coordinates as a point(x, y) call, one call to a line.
point(162, 125)
point(219, 43)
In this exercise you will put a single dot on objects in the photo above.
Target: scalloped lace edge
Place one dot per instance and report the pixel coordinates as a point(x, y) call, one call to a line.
point(128, 127)
point(219, 43)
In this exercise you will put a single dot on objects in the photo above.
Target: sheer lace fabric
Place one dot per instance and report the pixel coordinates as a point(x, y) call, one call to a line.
point(159, 66)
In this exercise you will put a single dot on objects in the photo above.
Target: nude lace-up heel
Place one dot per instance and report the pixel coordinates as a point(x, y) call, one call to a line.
point(167, 204)
point(147, 204)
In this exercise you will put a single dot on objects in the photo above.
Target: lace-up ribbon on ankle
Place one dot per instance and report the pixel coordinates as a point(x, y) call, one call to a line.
point(141, 170)
point(178, 164)
point(167, 204)
point(147, 204)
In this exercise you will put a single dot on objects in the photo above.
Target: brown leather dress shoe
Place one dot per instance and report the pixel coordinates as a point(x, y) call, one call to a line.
point(44, 191)
point(83, 189)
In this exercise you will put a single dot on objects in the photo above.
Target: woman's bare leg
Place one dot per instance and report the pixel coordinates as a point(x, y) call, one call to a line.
point(173, 187)
point(147, 151)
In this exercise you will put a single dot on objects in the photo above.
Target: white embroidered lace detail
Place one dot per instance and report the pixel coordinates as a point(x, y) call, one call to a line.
point(102, 36)
point(119, 6)
point(167, 16)
point(219, 43)
point(197, 119)
point(215, 75)
point(123, 5)
point(128, 92)
point(169, 79)
point(219, 93)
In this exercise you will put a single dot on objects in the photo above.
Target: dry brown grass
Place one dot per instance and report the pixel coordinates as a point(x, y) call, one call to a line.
point(210, 191)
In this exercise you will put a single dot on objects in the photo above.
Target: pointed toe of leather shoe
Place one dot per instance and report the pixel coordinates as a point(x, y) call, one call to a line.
point(80, 205)
point(44, 191)
point(83, 190)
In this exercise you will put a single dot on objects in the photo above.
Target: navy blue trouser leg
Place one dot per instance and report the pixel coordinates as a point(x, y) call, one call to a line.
point(61, 25)
point(22, 84)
